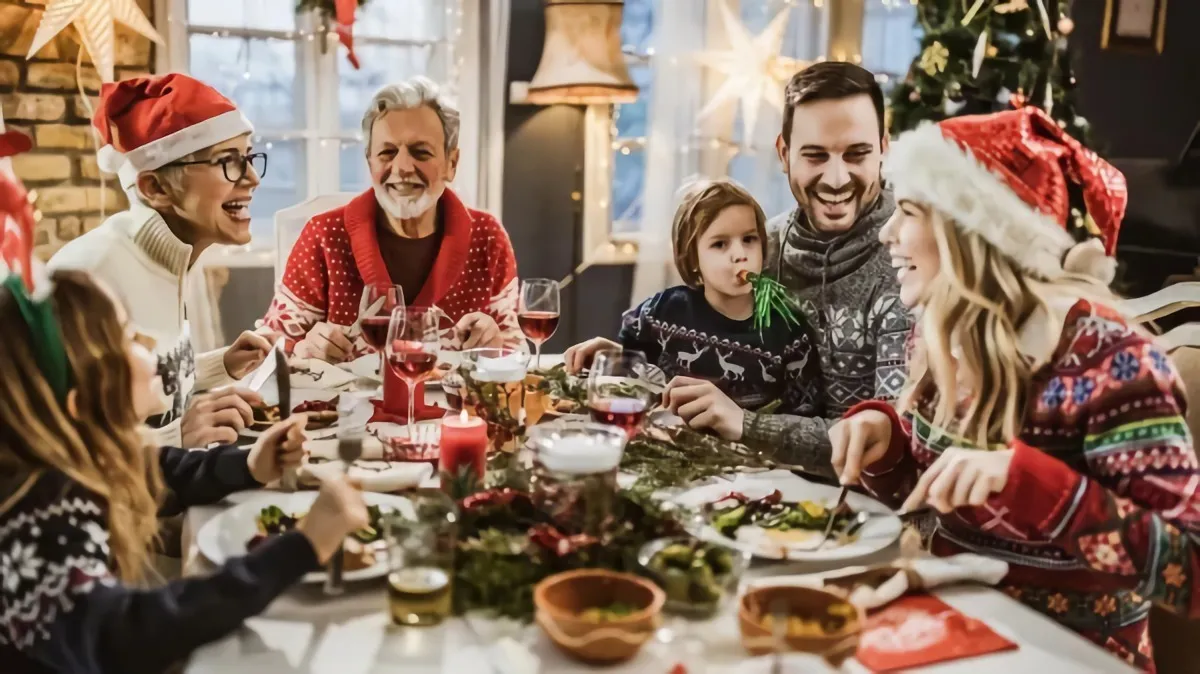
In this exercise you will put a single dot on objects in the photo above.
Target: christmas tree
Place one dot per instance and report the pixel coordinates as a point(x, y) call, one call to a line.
point(981, 56)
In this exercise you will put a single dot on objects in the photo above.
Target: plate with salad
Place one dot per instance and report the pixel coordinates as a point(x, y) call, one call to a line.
point(780, 516)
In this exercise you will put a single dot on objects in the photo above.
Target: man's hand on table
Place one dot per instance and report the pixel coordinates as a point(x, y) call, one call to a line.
point(280, 448)
point(338, 511)
point(704, 407)
point(218, 417)
point(478, 330)
point(327, 342)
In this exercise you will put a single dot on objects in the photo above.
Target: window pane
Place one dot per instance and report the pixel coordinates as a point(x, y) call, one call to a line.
point(637, 24)
point(284, 185)
point(760, 172)
point(410, 20)
point(353, 168)
point(381, 64)
point(261, 14)
point(259, 75)
point(631, 117)
point(891, 38)
point(629, 175)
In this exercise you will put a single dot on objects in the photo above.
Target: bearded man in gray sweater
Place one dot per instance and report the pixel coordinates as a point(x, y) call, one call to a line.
point(827, 251)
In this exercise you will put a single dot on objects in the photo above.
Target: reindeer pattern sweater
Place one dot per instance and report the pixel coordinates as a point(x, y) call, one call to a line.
point(683, 335)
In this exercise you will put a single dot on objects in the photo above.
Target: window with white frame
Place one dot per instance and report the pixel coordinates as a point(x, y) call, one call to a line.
point(891, 39)
point(293, 81)
point(629, 120)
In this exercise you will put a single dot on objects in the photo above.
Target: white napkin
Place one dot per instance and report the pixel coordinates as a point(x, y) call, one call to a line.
point(319, 374)
point(507, 368)
point(326, 448)
point(365, 367)
point(377, 476)
point(923, 573)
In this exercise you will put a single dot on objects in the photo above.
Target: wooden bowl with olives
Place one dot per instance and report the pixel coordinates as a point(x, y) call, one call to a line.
point(817, 621)
point(598, 616)
point(697, 576)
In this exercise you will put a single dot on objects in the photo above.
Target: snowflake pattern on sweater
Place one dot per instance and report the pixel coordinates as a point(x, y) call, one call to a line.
point(683, 335)
point(338, 252)
point(1100, 515)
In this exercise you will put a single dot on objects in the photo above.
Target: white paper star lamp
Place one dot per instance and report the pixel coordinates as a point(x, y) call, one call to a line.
point(94, 21)
point(754, 71)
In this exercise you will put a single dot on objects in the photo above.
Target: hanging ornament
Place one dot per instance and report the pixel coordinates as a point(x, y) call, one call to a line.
point(753, 69)
point(93, 19)
point(914, 95)
point(934, 59)
point(981, 49)
point(1045, 16)
point(1066, 25)
point(1048, 100)
point(344, 13)
point(1012, 6)
point(770, 297)
point(954, 91)
point(970, 15)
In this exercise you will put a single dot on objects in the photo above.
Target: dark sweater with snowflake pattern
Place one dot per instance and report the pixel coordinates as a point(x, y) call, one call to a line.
point(683, 335)
point(62, 608)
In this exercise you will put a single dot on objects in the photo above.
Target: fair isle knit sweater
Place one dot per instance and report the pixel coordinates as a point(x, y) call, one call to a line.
point(135, 254)
point(849, 294)
point(338, 252)
point(1100, 515)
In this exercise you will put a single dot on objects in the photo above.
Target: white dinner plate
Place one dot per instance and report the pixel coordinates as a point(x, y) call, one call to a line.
point(879, 531)
point(225, 536)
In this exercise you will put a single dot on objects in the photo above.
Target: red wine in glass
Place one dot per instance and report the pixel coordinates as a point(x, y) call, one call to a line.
point(411, 361)
point(625, 413)
point(374, 331)
point(538, 326)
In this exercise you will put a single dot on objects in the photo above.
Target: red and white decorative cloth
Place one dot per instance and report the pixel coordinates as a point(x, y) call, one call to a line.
point(338, 252)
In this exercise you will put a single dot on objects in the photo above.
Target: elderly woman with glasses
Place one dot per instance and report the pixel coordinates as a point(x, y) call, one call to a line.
point(183, 155)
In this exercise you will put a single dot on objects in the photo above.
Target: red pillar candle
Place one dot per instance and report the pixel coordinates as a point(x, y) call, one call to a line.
point(463, 455)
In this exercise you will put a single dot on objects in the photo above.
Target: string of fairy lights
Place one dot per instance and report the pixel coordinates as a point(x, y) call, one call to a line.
point(450, 41)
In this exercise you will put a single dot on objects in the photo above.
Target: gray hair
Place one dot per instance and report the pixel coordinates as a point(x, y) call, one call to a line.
point(414, 93)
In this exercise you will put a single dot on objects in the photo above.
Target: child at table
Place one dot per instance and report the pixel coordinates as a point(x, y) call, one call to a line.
point(79, 495)
point(704, 328)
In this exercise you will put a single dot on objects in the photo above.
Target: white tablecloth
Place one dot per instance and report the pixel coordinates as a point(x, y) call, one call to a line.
point(305, 631)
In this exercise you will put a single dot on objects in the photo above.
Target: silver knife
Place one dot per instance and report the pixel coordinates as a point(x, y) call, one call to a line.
point(350, 447)
point(283, 382)
point(265, 369)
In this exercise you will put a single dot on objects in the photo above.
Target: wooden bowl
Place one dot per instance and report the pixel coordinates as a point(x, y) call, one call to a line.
point(808, 603)
point(561, 598)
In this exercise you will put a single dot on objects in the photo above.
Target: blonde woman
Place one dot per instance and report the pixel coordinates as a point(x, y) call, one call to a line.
point(1044, 428)
point(79, 493)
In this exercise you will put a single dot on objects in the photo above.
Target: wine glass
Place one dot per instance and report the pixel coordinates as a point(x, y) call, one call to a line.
point(413, 340)
point(538, 313)
point(379, 300)
point(616, 396)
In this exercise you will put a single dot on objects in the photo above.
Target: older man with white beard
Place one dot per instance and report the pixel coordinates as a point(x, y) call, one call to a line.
point(409, 230)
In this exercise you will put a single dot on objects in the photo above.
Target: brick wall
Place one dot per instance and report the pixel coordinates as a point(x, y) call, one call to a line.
point(41, 98)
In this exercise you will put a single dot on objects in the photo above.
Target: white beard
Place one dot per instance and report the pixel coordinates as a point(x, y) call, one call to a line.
point(407, 208)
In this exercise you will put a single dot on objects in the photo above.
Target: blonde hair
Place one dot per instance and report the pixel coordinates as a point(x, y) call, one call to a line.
point(99, 447)
point(968, 368)
point(702, 201)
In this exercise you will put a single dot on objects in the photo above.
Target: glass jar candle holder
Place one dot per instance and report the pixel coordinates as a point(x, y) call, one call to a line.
point(574, 473)
point(494, 390)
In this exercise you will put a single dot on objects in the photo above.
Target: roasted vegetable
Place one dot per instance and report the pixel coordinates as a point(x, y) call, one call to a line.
point(770, 512)
point(694, 574)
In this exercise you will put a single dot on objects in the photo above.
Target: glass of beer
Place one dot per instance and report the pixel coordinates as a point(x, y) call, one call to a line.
point(421, 542)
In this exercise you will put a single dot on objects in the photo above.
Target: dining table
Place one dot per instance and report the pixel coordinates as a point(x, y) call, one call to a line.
point(306, 630)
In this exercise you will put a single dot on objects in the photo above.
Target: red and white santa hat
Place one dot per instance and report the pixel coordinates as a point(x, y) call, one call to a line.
point(1004, 176)
point(149, 122)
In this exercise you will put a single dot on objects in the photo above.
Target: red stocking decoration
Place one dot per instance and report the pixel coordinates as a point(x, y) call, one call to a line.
point(345, 27)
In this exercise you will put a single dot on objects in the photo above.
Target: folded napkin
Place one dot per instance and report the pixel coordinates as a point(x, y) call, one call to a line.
point(376, 476)
point(316, 373)
point(875, 586)
point(421, 412)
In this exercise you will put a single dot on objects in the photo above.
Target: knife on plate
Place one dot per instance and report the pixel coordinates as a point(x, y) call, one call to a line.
point(349, 448)
point(283, 382)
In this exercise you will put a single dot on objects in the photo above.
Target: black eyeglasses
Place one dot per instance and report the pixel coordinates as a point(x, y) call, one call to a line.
point(233, 166)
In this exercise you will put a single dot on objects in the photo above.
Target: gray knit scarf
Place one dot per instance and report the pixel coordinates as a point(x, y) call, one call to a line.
point(818, 259)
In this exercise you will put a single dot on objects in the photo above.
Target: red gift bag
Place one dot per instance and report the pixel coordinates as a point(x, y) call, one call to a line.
point(922, 630)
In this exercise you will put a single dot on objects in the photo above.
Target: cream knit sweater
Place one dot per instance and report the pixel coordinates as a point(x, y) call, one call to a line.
point(135, 254)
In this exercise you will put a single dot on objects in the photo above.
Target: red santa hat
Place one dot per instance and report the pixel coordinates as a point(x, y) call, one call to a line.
point(1005, 176)
point(149, 122)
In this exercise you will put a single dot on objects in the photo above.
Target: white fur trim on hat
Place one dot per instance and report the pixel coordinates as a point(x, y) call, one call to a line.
point(167, 149)
point(924, 166)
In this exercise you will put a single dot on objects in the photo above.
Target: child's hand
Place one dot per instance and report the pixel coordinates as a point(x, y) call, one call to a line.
point(580, 356)
point(704, 406)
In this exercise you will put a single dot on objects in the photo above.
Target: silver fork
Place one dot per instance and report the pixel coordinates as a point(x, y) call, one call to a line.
point(841, 501)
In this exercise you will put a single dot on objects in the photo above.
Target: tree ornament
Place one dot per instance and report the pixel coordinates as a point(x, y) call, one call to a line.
point(93, 19)
point(934, 59)
point(1012, 6)
point(770, 297)
point(914, 95)
point(1066, 25)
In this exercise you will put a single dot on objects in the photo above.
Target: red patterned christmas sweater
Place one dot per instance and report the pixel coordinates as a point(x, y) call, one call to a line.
point(1100, 515)
point(338, 252)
